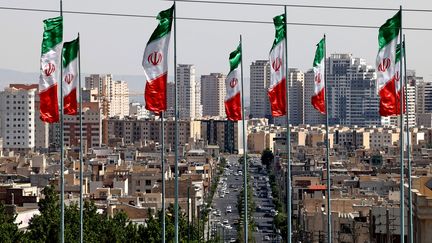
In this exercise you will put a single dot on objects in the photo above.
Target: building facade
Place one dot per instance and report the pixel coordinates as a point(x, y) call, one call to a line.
point(213, 94)
point(17, 109)
point(259, 83)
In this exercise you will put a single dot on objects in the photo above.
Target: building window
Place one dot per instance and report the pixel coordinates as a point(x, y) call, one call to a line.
point(148, 182)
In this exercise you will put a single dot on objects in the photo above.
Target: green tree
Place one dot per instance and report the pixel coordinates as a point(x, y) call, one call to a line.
point(267, 157)
point(8, 229)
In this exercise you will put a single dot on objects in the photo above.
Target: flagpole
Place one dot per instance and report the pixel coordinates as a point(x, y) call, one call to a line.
point(62, 226)
point(410, 206)
point(176, 206)
point(245, 165)
point(329, 223)
point(402, 162)
point(288, 139)
point(163, 174)
point(81, 144)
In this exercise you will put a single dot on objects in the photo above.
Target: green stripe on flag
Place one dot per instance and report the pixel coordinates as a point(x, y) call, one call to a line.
point(279, 23)
point(165, 22)
point(53, 33)
point(399, 52)
point(70, 51)
point(319, 54)
point(235, 58)
point(390, 30)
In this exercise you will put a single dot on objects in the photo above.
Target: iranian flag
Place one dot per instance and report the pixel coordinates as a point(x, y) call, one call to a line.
point(70, 77)
point(233, 95)
point(155, 63)
point(399, 85)
point(387, 68)
point(277, 88)
point(50, 69)
point(318, 99)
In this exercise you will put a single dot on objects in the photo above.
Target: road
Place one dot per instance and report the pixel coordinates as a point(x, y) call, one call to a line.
point(221, 201)
point(262, 214)
point(264, 207)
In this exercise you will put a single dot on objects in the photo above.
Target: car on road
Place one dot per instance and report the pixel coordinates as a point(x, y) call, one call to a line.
point(266, 238)
point(229, 209)
point(225, 221)
point(228, 227)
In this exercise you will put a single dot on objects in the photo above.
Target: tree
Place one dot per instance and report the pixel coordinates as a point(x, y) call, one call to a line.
point(9, 232)
point(267, 157)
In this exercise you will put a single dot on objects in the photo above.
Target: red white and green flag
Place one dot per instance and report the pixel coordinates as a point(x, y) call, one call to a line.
point(397, 77)
point(50, 69)
point(233, 91)
point(277, 89)
point(318, 98)
point(70, 77)
point(388, 68)
point(155, 63)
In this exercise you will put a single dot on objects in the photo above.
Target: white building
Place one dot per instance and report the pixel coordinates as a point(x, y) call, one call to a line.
point(188, 104)
point(118, 98)
point(138, 110)
point(259, 83)
point(213, 94)
point(112, 95)
point(17, 111)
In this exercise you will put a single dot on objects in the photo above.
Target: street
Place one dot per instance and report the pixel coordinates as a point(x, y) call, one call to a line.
point(223, 223)
point(224, 217)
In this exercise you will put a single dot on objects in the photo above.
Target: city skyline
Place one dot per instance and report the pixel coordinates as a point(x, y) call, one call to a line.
point(196, 37)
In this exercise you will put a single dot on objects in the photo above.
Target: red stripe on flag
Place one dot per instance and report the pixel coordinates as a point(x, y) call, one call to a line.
point(155, 94)
point(389, 105)
point(49, 111)
point(233, 108)
point(70, 103)
point(318, 101)
point(277, 96)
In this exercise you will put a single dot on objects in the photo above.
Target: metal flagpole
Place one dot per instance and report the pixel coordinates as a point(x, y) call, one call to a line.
point(410, 206)
point(329, 223)
point(245, 165)
point(402, 147)
point(163, 173)
point(288, 138)
point(176, 206)
point(81, 143)
point(62, 226)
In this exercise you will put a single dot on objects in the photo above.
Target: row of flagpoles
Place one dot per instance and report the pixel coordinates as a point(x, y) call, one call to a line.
point(60, 59)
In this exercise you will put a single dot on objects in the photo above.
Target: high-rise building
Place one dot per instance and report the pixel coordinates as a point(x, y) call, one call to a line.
point(17, 109)
point(296, 96)
point(311, 115)
point(118, 98)
point(188, 105)
point(259, 83)
point(112, 95)
point(170, 100)
point(424, 94)
point(41, 127)
point(213, 94)
point(198, 104)
point(352, 96)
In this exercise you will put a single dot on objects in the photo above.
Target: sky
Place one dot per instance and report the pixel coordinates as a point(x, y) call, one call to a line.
point(115, 44)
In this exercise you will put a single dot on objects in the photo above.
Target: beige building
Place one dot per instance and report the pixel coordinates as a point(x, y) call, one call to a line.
point(92, 127)
point(259, 141)
point(213, 93)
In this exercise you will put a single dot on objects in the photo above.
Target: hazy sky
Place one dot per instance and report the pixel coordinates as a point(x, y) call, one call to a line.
point(115, 44)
